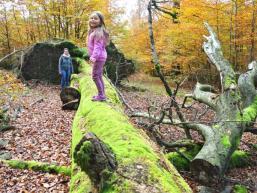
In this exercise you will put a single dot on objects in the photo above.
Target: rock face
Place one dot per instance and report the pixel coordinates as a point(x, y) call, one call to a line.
point(41, 60)
point(117, 66)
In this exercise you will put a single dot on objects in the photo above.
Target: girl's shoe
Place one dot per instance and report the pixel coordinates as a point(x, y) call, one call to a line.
point(98, 98)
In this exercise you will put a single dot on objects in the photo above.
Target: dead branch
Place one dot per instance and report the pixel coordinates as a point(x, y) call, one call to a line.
point(8, 55)
point(37, 101)
point(203, 93)
point(156, 6)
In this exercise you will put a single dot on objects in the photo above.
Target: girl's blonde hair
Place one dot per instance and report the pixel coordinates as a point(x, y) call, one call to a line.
point(100, 32)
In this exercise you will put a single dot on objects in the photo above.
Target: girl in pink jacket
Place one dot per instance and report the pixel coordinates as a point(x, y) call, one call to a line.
point(97, 40)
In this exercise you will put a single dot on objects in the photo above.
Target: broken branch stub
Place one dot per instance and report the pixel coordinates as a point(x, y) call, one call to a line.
point(95, 158)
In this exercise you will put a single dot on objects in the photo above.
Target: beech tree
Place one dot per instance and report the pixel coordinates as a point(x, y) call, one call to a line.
point(235, 107)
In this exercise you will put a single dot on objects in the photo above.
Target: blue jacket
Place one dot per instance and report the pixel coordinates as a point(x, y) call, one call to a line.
point(65, 63)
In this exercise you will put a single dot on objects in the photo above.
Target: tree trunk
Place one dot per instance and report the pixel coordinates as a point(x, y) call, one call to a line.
point(47, 22)
point(235, 109)
point(109, 154)
point(157, 65)
point(16, 23)
point(253, 31)
point(217, 17)
point(7, 31)
point(231, 32)
point(236, 36)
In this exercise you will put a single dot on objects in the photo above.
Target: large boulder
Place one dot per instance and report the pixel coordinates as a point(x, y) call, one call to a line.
point(117, 66)
point(41, 60)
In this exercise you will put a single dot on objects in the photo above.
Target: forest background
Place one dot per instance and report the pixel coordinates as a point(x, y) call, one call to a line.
point(178, 42)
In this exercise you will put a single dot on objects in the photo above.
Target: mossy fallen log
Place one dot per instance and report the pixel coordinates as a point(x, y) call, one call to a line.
point(139, 165)
point(38, 166)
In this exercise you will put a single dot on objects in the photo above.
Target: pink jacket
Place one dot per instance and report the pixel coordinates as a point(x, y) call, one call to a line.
point(96, 48)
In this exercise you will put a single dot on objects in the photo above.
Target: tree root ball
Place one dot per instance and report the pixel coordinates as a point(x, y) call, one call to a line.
point(70, 98)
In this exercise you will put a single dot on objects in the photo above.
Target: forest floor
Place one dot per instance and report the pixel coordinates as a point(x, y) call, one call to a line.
point(141, 92)
point(43, 133)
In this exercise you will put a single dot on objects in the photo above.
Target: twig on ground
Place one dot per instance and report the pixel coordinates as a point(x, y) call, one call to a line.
point(37, 101)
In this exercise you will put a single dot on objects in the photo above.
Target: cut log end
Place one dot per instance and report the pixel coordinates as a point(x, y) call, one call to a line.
point(72, 105)
point(204, 171)
point(70, 98)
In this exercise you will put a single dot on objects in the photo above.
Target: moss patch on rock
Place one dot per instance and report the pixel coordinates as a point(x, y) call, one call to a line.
point(240, 189)
point(229, 81)
point(179, 161)
point(238, 159)
point(226, 141)
point(249, 113)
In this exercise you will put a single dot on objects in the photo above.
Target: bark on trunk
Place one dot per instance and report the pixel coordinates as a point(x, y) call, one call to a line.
point(109, 154)
point(235, 107)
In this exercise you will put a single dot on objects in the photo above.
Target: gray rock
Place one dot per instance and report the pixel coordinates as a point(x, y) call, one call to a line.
point(41, 60)
point(5, 155)
point(3, 143)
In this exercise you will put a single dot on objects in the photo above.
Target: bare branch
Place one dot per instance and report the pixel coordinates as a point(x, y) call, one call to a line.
point(203, 129)
point(172, 14)
point(203, 113)
point(213, 50)
point(179, 84)
point(120, 96)
point(179, 143)
point(8, 55)
point(203, 94)
point(185, 100)
point(158, 66)
point(158, 2)
point(153, 50)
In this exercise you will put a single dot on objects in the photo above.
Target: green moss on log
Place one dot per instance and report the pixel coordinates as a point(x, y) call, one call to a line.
point(238, 159)
point(108, 122)
point(80, 182)
point(229, 81)
point(38, 166)
point(83, 156)
point(180, 162)
point(249, 113)
point(216, 126)
point(240, 189)
point(226, 141)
